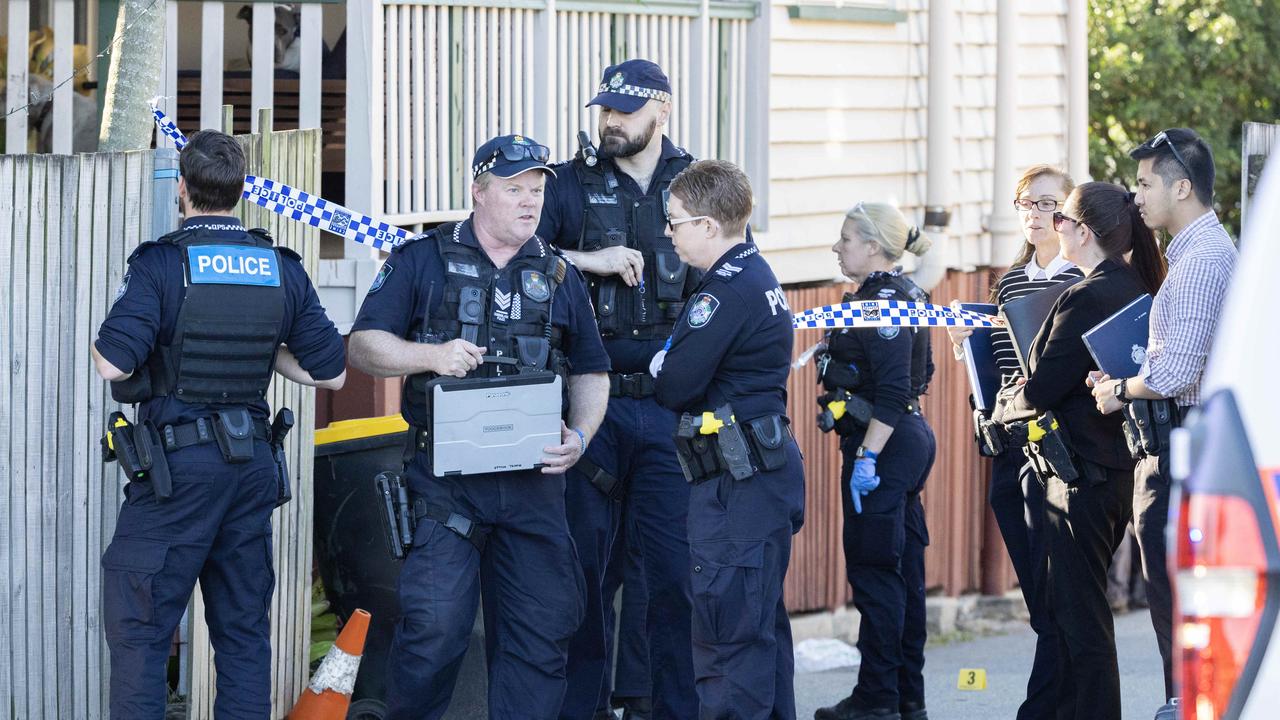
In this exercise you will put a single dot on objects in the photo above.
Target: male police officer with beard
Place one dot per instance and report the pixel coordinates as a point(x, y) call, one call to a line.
point(605, 209)
point(442, 303)
point(202, 317)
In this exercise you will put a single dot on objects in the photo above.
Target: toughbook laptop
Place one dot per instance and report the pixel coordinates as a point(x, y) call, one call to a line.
point(488, 425)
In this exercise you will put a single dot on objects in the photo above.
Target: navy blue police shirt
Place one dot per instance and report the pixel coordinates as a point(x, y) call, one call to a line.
point(145, 314)
point(733, 343)
point(883, 356)
point(562, 224)
point(414, 275)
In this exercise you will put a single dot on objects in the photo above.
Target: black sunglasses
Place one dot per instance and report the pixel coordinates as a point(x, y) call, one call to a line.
point(515, 152)
point(1059, 218)
point(1162, 138)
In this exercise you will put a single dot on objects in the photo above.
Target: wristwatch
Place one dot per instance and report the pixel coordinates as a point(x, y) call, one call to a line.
point(863, 452)
point(1120, 391)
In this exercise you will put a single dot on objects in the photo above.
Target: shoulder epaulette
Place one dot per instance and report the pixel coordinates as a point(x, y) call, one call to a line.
point(729, 270)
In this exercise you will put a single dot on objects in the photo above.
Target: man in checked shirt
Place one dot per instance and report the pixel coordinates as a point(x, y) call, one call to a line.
point(1175, 194)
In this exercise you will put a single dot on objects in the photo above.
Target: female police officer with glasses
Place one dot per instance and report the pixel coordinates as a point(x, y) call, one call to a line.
point(1089, 484)
point(874, 379)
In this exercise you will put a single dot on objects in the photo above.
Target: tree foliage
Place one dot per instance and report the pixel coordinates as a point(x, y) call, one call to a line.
point(1206, 65)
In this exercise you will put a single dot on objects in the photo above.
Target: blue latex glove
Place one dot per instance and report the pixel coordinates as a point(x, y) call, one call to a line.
point(863, 479)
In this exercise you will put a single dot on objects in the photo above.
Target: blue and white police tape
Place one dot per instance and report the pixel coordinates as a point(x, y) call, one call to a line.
point(302, 206)
point(168, 127)
point(317, 212)
point(889, 313)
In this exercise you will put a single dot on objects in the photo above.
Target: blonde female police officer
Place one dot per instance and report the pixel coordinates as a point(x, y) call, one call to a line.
point(730, 354)
point(888, 449)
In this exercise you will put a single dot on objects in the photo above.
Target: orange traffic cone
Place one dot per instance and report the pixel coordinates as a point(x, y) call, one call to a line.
point(329, 693)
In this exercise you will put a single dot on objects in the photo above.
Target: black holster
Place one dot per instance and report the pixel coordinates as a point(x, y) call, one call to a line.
point(397, 515)
point(854, 419)
point(1051, 454)
point(1148, 425)
point(280, 428)
point(140, 453)
point(730, 448)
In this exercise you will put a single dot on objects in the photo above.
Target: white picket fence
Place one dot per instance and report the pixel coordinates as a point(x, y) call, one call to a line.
point(441, 77)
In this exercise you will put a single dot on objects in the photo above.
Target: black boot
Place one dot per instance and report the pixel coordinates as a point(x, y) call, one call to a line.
point(851, 709)
point(913, 710)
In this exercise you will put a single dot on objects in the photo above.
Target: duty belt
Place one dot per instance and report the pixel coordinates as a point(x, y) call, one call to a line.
point(632, 385)
point(200, 432)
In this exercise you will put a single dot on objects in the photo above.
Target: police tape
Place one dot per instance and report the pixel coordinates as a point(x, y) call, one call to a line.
point(890, 313)
point(302, 206)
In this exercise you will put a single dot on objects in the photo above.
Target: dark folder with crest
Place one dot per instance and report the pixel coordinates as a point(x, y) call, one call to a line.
point(1024, 316)
point(980, 361)
point(1119, 343)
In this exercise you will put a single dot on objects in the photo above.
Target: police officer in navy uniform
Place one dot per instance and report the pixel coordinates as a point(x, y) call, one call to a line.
point(726, 372)
point(442, 303)
point(873, 378)
point(202, 317)
point(605, 210)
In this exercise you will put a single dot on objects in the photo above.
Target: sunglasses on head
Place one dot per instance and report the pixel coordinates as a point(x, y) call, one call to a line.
point(515, 152)
point(1162, 138)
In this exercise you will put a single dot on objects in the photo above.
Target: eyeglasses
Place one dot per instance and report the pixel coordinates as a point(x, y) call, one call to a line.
point(1059, 218)
point(861, 208)
point(1162, 138)
point(673, 222)
point(1043, 204)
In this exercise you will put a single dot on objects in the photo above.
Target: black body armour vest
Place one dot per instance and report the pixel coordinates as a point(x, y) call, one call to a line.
point(228, 329)
point(612, 218)
point(845, 348)
point(512, 323)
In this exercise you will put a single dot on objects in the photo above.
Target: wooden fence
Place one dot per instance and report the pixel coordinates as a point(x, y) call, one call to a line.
point(67, 225)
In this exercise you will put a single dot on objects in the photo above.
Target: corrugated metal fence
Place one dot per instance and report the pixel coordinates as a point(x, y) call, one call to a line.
point(67, 225)
point(955, 495)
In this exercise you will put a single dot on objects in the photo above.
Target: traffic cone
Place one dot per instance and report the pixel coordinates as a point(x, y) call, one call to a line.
point(329, 694)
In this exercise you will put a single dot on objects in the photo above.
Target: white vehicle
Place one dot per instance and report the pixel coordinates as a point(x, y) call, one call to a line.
point(1226, 550)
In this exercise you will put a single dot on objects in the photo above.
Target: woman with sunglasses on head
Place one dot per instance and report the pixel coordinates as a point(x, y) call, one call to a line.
point(1016, 497)
point(874, 378)
point(1089, 484)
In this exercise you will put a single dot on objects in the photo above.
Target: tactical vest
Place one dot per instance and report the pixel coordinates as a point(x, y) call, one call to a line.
point(614, 218)
point(229, 325)
point(839, 371)
point(513, 323)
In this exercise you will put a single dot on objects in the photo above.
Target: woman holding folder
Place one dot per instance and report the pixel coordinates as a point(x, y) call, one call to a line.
point(1079, 453)
point(1016, 497)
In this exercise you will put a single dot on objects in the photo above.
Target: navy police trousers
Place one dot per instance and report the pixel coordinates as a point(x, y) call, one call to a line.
point(884, 557)
point(739, 547)
point(634, 444)
point(533, 591)
point(216, 528)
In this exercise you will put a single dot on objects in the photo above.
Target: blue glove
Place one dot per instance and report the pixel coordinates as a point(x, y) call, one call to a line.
point(863, 479)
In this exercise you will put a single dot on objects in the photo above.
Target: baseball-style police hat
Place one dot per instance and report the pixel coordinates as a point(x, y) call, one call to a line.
point(509, 155)
point(627, 86)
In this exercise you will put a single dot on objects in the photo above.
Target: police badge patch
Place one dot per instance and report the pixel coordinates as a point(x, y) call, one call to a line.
point(703, 307)
point(124, 287)
point(889, 333)
point(616, 81)
point(380, 278)
point(1138, 354)
point(535, 286)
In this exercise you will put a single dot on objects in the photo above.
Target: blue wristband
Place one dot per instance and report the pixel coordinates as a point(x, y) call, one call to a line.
point(582, 438)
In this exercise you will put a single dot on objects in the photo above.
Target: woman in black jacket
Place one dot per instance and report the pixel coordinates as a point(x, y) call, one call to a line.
point(1086, 514)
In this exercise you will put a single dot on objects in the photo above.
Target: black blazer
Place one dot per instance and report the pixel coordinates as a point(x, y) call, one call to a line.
point(1060, 364)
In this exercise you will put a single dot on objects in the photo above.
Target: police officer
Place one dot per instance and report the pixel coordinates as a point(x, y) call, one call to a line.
point(201, 318)
point(873, 380)
point(1175, 194)
point(442, 303)
point(605, 210)
point(726, 372)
